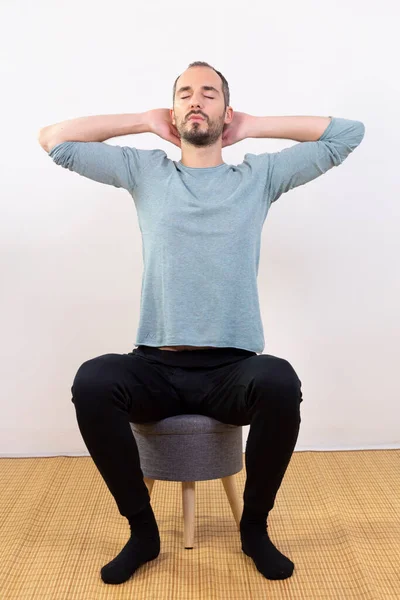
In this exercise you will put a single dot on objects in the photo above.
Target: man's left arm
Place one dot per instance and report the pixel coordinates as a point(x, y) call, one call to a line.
point(325, 142)
point(299, 129)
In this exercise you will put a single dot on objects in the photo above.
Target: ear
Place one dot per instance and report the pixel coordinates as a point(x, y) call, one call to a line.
point(228, 115)
point(171, 112)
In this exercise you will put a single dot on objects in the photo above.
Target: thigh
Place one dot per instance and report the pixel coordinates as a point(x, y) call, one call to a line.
point(230, 386)
point(135, 384)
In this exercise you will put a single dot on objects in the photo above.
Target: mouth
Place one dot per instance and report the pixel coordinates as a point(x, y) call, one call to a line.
point(196, 118)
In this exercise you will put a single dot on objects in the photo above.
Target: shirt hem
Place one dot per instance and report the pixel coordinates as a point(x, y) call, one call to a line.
point(180, 343)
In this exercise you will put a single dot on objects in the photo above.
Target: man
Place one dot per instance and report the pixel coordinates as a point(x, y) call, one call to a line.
point(200, 326)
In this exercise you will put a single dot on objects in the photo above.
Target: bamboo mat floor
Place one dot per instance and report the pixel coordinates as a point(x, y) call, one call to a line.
point(336, 515)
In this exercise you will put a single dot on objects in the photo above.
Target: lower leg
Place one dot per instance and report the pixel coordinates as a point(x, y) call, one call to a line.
point(142, 546)
point(108, 436)
point(272, 437)
point(105, 428)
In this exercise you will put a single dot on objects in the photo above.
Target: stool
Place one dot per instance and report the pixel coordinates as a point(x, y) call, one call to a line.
point(190, 448)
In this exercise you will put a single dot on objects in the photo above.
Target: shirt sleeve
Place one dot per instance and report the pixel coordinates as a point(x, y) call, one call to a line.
point(120, 166)
point(306, 161)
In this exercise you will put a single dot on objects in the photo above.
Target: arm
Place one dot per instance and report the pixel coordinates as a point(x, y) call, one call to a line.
point(300, 129)
point(78, 145)
point(322, 148)
point(92, 129)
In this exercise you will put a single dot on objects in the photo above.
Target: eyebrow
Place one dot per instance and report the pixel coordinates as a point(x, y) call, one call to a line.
point(203, 87)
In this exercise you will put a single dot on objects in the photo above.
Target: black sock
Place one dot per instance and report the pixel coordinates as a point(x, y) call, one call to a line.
point(256, 544)
point(143, 545)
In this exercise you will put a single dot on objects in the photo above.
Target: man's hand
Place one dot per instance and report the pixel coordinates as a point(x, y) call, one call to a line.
point(159, 122)
point(236, 130)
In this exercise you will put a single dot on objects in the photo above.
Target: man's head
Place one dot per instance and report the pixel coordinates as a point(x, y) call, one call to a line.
point(202, 91)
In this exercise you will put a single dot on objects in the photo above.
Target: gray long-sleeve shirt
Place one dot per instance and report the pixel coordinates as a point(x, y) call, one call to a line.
point(201, 230)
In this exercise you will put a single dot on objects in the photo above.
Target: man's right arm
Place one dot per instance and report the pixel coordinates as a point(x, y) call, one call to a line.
point(93, 129)
point(78, 145)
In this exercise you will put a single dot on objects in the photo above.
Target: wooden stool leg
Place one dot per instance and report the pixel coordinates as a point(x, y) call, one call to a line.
point(233, 497)
point(149, 482)
point(188, 502)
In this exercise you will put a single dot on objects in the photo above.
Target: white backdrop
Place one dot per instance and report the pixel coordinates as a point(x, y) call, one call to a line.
point(71, 258)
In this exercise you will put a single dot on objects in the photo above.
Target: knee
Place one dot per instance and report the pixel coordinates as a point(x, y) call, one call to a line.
point(279, 381)
point(92, 378)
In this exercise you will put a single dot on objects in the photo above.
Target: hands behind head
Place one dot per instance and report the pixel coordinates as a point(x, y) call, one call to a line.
point(160, 123)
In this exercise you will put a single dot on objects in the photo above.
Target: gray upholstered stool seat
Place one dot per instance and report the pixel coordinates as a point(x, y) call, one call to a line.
point(190, 448)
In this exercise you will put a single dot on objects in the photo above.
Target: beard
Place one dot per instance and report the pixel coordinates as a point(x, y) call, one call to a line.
point(201, 133)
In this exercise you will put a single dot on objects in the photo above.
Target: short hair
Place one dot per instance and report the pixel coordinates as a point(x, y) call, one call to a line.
point(225, 85)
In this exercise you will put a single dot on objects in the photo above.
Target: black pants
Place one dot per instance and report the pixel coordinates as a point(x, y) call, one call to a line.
point(231, 385)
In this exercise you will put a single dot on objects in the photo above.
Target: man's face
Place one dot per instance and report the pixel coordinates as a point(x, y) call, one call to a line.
point(205, 103)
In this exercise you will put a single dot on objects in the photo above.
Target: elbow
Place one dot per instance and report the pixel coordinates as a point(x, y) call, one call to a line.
point(44, 146)
point(43, 139)
point(361, 131)
point(355, 134)
point(339, 149)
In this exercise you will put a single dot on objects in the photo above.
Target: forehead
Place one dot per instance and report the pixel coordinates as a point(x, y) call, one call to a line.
point(206, 79)
point(206, 88)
